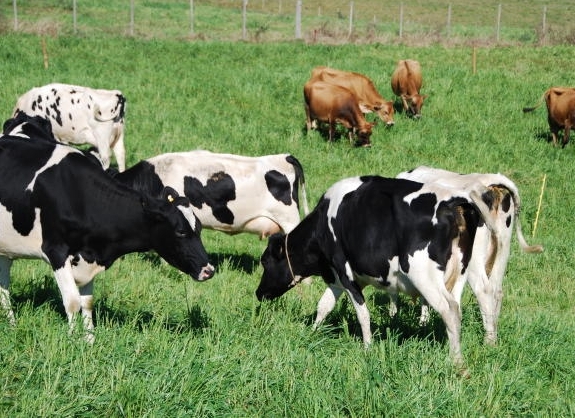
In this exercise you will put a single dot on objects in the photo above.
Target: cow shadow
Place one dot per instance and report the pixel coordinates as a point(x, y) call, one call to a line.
point(45, 292)
point(323, 130)
point(244, 262)
point(544, 136)
point(404, 326)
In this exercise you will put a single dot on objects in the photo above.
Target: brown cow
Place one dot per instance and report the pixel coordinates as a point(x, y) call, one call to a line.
point(406, 83)
point(331, 103)
point(560, 103)
point(368, 97)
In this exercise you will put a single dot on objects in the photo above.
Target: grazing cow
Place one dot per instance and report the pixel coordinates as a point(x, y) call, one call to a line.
point(330, 103)
point(389, 233)
point(492, 244)
point(230, 193)
point(406, 83)
point(81, 115)
point(56, 205)
point(368, 97)
point(560, 103)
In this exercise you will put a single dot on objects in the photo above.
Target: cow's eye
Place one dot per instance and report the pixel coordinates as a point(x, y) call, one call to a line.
point(181, 234)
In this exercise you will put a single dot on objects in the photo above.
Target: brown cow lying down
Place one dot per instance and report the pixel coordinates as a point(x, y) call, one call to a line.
point(406, 83)
point(329, 103)
point(560, 103)
point(368, 97)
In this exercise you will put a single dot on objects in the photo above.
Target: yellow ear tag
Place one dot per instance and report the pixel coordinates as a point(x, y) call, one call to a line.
point(170, 198)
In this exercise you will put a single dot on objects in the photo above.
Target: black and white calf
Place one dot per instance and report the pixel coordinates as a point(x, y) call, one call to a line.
point(81, 115)
point(58, 206)
point(383, 232)
point(230, 193)
point(492, 246)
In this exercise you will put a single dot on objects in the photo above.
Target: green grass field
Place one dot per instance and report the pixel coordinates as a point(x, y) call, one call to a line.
point(168, 347)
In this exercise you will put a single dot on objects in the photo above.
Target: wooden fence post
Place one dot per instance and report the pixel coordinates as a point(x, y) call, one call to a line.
point(132, 13)
point(498, 21)
point(74, 8)
point(191, 17)
point(298, 20)
point(244, 18)
point(15, 6)
point(449, 21)
point(401, 20)
point(350, 19)
point(544, 26)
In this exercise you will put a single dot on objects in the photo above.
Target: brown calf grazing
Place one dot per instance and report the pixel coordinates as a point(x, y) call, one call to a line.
point(406, 83)
point(560, 103)
point(325, 102)
point(368, 97)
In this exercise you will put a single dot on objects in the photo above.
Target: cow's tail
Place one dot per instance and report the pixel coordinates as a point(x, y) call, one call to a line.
point(499, 180)
point(539, 103)
point(299, 182)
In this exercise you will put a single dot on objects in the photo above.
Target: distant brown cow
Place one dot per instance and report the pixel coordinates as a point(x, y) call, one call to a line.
point(368, 97)
point(406, 83)
point(325, 102)
point(560, 111)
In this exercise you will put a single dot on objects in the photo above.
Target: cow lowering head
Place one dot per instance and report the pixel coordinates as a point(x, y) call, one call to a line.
point(364, 134)
point(277, 277)
point(176, 234)
point(385, 112)
point(414, 104)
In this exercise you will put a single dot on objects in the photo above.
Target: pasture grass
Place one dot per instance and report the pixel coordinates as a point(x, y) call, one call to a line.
point(166, 346)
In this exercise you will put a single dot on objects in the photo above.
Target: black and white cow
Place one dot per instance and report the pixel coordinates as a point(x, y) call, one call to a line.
point(492, 246)
point(389, 233)
point(81, 115)
point(230, 193)
point(58, 206)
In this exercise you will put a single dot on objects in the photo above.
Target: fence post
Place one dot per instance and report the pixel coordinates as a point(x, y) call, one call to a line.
point(132, 7)
point(15, 15)
point(74, 16)
point(298, 20)
point(498, 20)
point(191, 17)
point(350, 19)
point(449, 21)
point(401, 20)
point(244, 17)
point(544, 26)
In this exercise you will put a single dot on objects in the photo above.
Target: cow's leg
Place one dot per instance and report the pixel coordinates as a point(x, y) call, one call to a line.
point(429, 282)
point(87, 304)
point(566, 133)
point(393, 299)
point(69, 291)
point(405, 105)
point(331, 130)
point(5, 265)
point(103, 146)
point(327, 303)
point(120, 151)
point(355, 294)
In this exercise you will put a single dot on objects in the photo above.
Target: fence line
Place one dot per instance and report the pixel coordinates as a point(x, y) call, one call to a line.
point(328, 25)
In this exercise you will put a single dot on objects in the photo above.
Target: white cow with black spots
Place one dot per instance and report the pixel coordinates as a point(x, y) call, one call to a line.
point(493, 238)
point(81, 115)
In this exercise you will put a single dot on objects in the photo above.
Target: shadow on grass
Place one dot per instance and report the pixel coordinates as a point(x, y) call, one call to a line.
point(45, 292)
point(404, 325)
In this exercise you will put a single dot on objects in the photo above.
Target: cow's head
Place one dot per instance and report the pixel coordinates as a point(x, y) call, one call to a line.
point(176, 234)
point(364, 134)
point(277, 277)
point(414, 104)
point(385, 112)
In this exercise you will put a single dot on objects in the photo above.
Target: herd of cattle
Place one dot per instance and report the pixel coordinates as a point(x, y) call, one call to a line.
point(425, 233)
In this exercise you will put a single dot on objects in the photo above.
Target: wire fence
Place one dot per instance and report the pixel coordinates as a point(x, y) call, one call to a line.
point(336, 21)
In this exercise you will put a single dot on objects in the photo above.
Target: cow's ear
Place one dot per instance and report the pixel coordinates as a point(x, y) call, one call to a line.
point(276, 244)
point(170, 194)
point(152, 207)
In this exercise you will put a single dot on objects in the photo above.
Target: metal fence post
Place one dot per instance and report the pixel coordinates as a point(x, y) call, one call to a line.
point(298, 20)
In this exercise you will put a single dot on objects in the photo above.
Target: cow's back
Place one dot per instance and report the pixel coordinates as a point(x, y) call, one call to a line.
point(234, 193)
point(406, 78)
